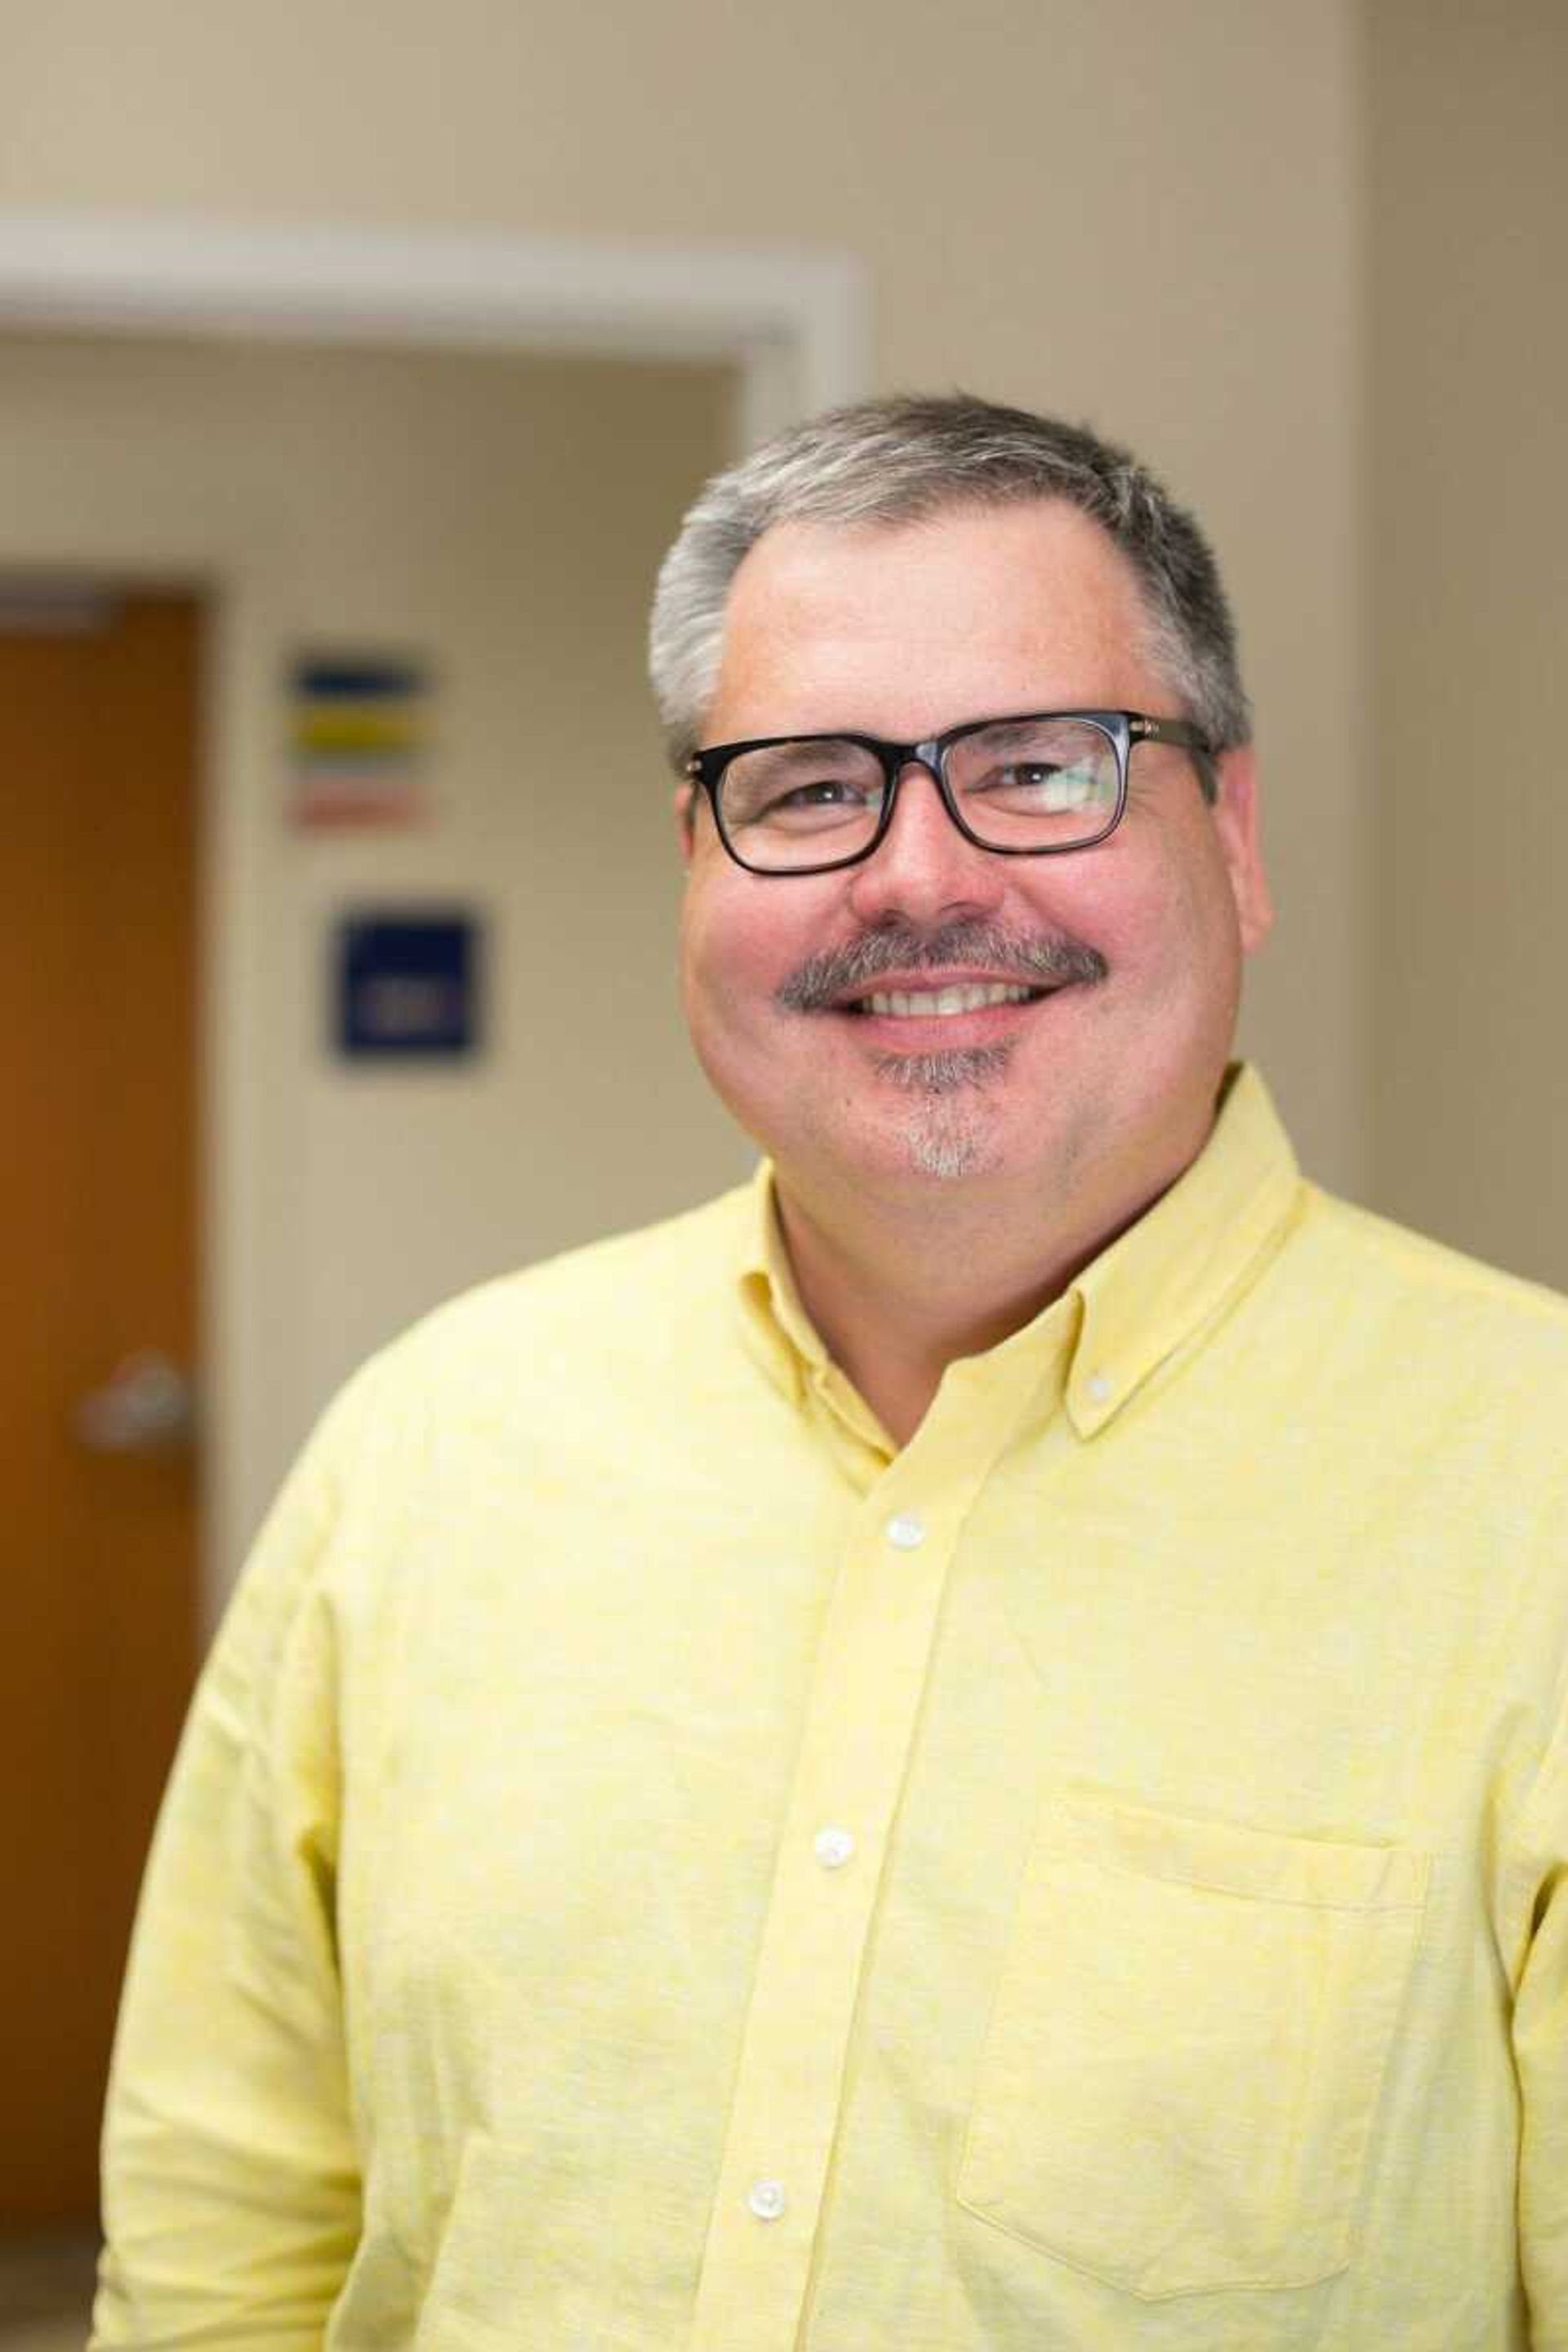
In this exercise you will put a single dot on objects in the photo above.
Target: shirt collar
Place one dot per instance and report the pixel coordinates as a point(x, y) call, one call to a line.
point(778, 1329)
point(1169, 1272)
point(1136, 1303)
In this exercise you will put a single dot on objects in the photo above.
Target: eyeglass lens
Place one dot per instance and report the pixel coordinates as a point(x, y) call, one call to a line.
point(1020, 784)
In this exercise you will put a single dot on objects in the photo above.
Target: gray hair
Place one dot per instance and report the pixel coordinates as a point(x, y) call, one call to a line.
point(904, 459)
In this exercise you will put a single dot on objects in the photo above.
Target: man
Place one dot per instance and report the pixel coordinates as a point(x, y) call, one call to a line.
point(965, 1748)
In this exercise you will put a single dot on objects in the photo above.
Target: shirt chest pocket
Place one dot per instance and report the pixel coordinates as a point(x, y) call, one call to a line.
point(1185, 2052)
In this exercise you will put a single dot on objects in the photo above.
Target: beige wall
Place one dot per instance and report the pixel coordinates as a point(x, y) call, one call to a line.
point(1144, 211)
point(1304, 253)
point(1467, 357)
point(502, 518)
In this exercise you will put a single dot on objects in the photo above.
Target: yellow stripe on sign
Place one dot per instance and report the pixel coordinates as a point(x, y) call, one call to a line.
point(355, 730)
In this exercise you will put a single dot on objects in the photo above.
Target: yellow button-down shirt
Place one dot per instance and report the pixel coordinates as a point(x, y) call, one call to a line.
point(653, 1868)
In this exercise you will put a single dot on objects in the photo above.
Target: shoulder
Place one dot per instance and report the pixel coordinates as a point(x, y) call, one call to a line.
point(615, 1309)
point(1407, 1272)
point(518, 1389)
point(1440, 1349)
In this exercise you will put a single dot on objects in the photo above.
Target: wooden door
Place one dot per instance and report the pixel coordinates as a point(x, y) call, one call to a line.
point(97, 1221)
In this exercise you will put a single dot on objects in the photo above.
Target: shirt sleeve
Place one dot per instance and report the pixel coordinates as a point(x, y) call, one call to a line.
point(231, 2195)
point(1540, 2053)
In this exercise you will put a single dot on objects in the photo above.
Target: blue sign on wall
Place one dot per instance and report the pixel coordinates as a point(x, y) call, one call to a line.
point(407, 984)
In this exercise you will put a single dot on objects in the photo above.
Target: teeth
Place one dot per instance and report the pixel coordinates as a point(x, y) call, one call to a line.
point(927, 1001)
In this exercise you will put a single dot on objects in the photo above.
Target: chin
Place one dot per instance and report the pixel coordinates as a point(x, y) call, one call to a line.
point(946, 1141)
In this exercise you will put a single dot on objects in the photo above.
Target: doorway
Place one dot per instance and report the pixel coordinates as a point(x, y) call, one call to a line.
point(789, 326)
point(99, 724)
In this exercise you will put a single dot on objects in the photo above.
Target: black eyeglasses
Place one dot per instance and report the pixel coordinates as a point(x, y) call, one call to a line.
point(1035, 787)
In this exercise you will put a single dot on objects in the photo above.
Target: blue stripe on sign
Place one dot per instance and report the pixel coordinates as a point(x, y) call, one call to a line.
point(344, 680)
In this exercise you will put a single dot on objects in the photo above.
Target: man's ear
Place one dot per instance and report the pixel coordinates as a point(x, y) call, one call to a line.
point(685, 806)
point(1241, 846)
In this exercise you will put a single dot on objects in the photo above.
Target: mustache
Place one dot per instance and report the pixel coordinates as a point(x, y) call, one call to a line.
point(1041, 959)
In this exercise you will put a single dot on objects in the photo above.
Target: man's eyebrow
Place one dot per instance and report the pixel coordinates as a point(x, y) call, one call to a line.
point(1005, 732)
point(806, 751)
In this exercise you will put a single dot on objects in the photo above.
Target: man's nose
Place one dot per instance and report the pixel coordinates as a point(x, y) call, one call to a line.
point(923, 866)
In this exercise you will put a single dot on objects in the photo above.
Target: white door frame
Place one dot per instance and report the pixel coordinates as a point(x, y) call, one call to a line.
point(793, 323)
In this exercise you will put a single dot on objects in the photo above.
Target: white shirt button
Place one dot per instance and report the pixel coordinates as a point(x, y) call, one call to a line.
point(907, 1529)
point(833, 1848)
point(766, 2199)
point(1096, 1388)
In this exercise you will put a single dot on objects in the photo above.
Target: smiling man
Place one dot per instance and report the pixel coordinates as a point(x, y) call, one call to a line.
point(965, 1748)
point(920, 983)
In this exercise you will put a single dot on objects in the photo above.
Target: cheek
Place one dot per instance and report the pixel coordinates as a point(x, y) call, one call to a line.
point(1183, 946)
point(1166, 924)
point(722, 945)
point(1176, 912)
point(730, 964)
point(741, 938)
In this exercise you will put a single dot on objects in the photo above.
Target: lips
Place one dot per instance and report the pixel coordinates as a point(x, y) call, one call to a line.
point(940, 1004)
point(866, 977)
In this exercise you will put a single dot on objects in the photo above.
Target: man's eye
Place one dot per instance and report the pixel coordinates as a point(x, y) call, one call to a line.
point(826, 791)
point(1039, 783)
point(820, 800)
point(805, 791)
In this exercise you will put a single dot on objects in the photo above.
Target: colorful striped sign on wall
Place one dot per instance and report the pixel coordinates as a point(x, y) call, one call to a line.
point(359, 740)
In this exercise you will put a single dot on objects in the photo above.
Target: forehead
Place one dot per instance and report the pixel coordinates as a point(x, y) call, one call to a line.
point(904, 629)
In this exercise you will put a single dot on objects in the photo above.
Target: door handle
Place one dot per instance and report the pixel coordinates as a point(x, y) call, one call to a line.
point(147, 1405)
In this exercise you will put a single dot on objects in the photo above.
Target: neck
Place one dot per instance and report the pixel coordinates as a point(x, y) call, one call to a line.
point(900, 1284)
point(893, 1338)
